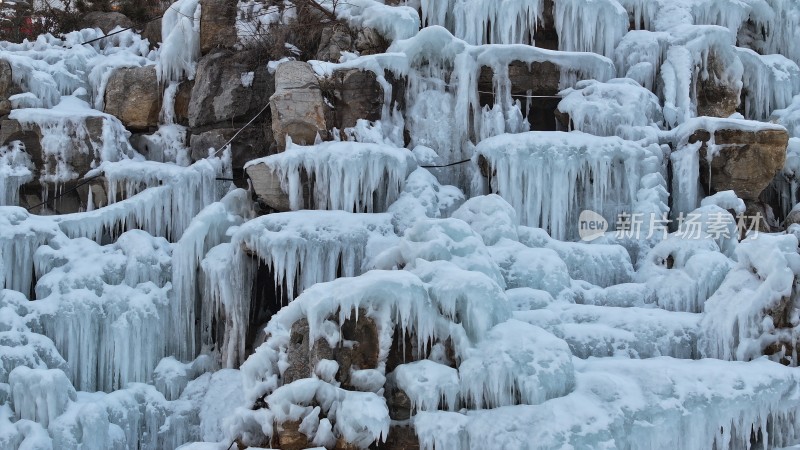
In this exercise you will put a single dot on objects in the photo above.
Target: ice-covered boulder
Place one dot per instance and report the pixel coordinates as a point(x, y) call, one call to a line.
point(609, 109)
point(133, 95)
point(350, 176)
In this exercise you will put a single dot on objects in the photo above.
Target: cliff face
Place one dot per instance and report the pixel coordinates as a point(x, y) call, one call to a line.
point(458, 224)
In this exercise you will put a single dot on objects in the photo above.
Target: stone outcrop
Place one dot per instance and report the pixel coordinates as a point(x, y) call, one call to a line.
point(361, 353)
point(746, 161)
point(714, 97)
point(106, 21)
point(333, 42)
point(357, 95)
point(298, 107)
point(541, 79)
point(217, 25)
point(249, 144)
point(6, 86)
point(267, 187)
point(133, 95)
point(229, 86)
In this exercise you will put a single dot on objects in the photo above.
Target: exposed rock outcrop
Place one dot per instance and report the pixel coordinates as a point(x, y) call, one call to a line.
point(106, 21)
point(298, 107)
point(217, 25)
point(229, 86)
point(745, 161)
point(133, 95)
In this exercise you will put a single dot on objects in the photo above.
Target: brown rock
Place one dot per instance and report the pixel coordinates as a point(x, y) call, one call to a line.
point(106, 21)
point(400, 438)
point(182, 100)
point(714, 98)
point(223, 90)
point(290, 437)
point(358, 95)
point(541, 79)
point(370, 42)
point(298, 107)
point(267, 187)
point(334, 40)
point(249, 144)
point(6, 79)
point(217, 25)
point(747, 161)
point(133, 95)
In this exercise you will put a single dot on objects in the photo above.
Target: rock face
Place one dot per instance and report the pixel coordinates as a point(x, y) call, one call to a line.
point(298, 107)
point(333, 42)
point(248, 145)
point(80, 163)
point(217, 25)
point(357, 95)
point(133, 95)
point(747, 160)
point(6, 87)
point(361, 355)
point(541, 79)
point(229, 87)
point(714, 98)
point(267, 187)
point(106, 21)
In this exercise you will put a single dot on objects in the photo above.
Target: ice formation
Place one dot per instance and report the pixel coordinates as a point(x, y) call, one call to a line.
point(461, 303)
point(601, 174)
point(17, 169)
point(348, 176)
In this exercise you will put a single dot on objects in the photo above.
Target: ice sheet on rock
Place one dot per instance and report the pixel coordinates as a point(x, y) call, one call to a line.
point(536, 268)
point(159, 198)
point(789, 117)
point(468, 297)
point(40, 395)
point(16, 169)
point(300, 248)
point(549, 177)
point(486, 22)
point(428, 384)
point(769, 82)
point(360, 418)
point(589, 26)
point(49, 67)
point(604, 265)
point(627, 403)
point(686, 63)
point(517, 363)
point(753, 309)
point(171, 376)
point(605, 109)
point(441, 240)
point(180, 50)
point(422, 196)
point(21, 233)
point(103, 308)
point(639, 56)
point(627, 332)
point(65, 137)
point(684, 271)
point(392, 22)
point(209, 228)
point(349, 176)
point(726, 200)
